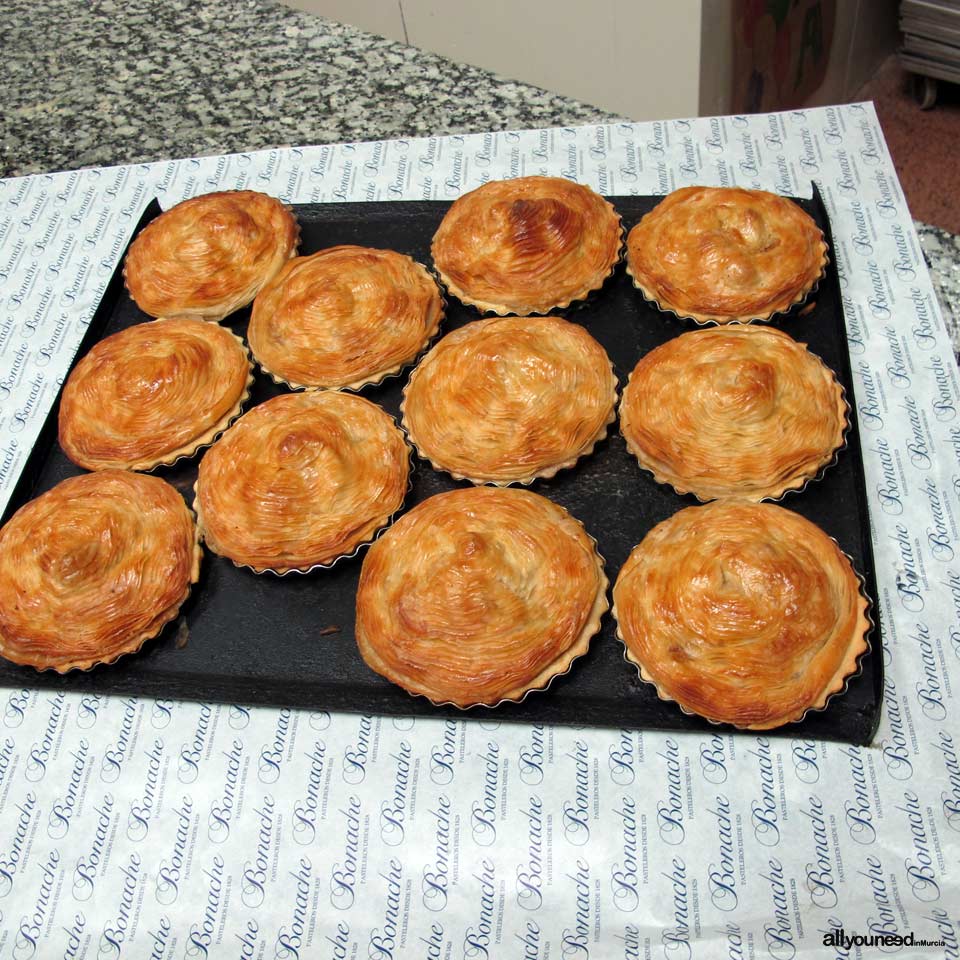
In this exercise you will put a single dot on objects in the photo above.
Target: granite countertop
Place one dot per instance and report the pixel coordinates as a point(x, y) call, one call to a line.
point(135, 80)
point(124, 81)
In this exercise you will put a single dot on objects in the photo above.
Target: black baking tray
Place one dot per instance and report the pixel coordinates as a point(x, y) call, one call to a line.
point(243, 638)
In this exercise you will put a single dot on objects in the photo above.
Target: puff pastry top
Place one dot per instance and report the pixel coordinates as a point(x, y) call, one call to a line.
point(210, 255)
point(740, 411)
point(152, 393)
point(93, 568)
point(744, 613)
point(510, 398)
point(344, 317)
point(478, 595)
point(725, 254)
point(527, 245)
point(301, 480)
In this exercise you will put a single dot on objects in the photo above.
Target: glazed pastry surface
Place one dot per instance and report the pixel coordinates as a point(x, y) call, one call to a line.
point(344, 317)
point(733, 411)
point(93, 568)
point(527, 245)
point(508, 399)
point(725, 254)
point(301, 480)
point(209, 256)
point(479, 595)
point(152, 393)
point(744, 613)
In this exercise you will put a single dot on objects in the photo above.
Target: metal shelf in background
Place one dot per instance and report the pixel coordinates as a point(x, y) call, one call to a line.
point(931, 45)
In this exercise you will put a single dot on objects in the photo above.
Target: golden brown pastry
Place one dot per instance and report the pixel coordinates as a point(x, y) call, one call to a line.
point(725, 254)
point(507, 399)
point(479, 595)
point(210, 255)
point(344, 317)
point(153, 393)
point(741, 411)
point(301, 480)
point(743, 613)
point(93, 568)
point(527, 245)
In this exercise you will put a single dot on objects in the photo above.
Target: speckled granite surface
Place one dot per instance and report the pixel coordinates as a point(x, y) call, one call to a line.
point(122, 81)
point(941, 250)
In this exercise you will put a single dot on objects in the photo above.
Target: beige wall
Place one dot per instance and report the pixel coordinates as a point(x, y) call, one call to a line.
point(375, 16)
point(716, 44)
point(637, 59)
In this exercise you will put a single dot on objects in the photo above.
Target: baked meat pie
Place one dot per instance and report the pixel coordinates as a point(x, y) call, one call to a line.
point(507, 399)
point(726, 255)
point(153, 393)
point(743, 613)
point(741, 411)
point(209, 256)
point(301, 480)
point(479, 595)
point(344, 317)
point(527, 245)
point(93, 568)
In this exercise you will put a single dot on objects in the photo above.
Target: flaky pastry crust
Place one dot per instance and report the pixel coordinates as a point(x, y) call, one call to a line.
point(209, 256)
point(508, 399)
point(478, 596)
point(741, 411)
point(93, 568)
point(301, 480)
point(344, 317)
point(528, 245)
point(153, 393)
point(725, 254)
point(743, 613)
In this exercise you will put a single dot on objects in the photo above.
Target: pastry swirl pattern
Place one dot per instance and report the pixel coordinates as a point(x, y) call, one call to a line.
point(743, 613)
point(93, 568)
point(344, 317)
point(479, 595)
point(740, 411)
point(725, 254)
point(301, 480)
point(152, 393)
point(508, 399)
point(527, 245)
point(209, 256)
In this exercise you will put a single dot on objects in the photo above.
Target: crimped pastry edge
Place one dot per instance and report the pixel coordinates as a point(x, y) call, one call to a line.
point(550, 470)
point(546, 474)
point(487, 307)
point(210, 437)
point(328, 564)
point(706, 320)
point(850, 668)
point(376, 378)
point(214, 316)
point(797, 485)
point(579, 648)
point(189, 450)
point(135, 645)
